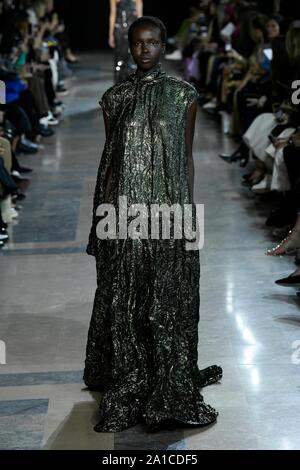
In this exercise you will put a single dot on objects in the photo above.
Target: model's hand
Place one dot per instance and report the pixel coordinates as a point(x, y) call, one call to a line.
point(111, 42)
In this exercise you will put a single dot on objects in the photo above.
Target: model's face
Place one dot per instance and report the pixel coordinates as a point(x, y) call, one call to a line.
point(146, 47)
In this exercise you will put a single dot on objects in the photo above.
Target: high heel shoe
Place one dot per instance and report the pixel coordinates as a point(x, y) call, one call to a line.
point(16, 176)
point(264, 186)
point(288, 245)
point(254, 180)
point(231, 158)
point(235, 157)
point(241, 154)
point(24, 169)
point(210, 375)
point(290, 281)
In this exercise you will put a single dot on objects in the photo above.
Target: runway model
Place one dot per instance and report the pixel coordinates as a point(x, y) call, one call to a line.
point(143, 336)
point(122, 14)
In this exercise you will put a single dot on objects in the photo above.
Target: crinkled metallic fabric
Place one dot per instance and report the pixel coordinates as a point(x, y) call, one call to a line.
point(123, 63)
point(143, 336)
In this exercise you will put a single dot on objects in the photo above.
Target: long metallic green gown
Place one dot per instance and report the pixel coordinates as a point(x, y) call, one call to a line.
point(142, 341)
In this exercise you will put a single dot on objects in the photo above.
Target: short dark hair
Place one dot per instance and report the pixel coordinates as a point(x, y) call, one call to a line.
point(152, 21)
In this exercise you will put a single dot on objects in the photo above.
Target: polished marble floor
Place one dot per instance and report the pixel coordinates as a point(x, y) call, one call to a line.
point(248, 324)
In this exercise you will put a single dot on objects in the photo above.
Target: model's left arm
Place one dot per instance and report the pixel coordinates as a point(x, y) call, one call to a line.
point(189, 139)
point(139, 7)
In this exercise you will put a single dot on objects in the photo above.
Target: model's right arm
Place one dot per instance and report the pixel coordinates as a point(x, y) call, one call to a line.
point(112, 21)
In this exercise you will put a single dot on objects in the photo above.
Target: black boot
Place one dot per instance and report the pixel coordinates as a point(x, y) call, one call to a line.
point(16, 165)
point(241, 154)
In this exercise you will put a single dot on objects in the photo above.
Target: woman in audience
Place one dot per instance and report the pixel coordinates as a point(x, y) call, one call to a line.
point(291, 150)
point(284, 120)
point(262, 90)
point(57, 29)
point(250, 97)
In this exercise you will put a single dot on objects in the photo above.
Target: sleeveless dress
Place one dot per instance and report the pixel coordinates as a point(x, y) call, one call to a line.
point(143, 335)
point(123, 63)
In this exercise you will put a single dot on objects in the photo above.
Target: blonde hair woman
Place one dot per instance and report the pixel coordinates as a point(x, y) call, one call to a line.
point(122, 14)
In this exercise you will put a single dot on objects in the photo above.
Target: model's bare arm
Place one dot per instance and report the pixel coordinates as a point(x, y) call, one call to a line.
point(112, 21)
point(139, 7)
point(189, 139)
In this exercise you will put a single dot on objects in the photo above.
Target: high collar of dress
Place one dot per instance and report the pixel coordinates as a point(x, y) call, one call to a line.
point(152, 74)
